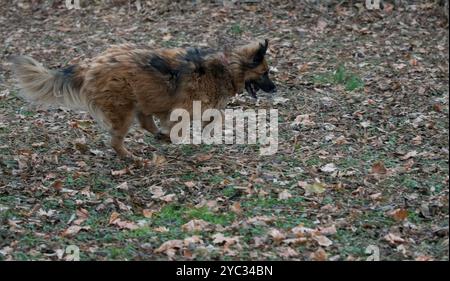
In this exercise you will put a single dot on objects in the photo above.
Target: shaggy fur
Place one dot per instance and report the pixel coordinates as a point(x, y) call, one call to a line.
point(128, 82)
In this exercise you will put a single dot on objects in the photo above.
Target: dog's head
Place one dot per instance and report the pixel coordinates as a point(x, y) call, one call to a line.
point(256, 74)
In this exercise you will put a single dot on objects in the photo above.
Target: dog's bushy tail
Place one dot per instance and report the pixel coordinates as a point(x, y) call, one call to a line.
point(43, 86)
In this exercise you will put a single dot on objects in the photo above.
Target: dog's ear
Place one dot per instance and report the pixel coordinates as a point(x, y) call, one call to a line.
point(261, 52)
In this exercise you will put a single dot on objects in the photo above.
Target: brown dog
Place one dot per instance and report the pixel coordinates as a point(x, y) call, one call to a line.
point(126, 82)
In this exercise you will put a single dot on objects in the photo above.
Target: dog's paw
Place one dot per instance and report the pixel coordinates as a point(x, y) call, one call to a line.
point(162, 137)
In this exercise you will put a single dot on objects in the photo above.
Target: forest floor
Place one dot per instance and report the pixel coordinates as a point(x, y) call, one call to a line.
point(361, 168)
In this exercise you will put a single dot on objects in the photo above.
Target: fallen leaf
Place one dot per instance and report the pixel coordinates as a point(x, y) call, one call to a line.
point(378, 168)
point(38, 144)
point(115, 220)
point(219, 238)
point(161, 229)
point(393, 238)
point(157, 191)
point(276, 235)
point(416, 140)
point(147, 213)
point(322, 240)
point(328, 168)
point(287, 252)
point(57, 185)
point(204, 157)
point(260, 220)
point(114, 216)
point(301, 231)
point(189, 184)
point(295, 241)
point(399, 214)
point(319, 255)
point(330, 230)
point(123, 186)
point(279, 100)
point(303, 119)
point(120, 172)
point(284, 195)
point(72, 230)
point(168, 198)
point(375, 196)
point(192, 240)
point(170, 245)
point(236, 208)
point(158, 159)
point(195, 225)
point(409, 155)
point(315, 188)
point(167, 37)
point(424, 258)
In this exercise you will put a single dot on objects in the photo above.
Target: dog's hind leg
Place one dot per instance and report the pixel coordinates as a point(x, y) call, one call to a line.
point(120, 120)
point(147, 122)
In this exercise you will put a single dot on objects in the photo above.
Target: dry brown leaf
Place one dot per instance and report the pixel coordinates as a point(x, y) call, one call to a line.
point(123, 186)
point(114, 219)
point(71, 230)
point(287, 252)
point(74, 229)
point(168, 198)
point(120, 172)
point(157, 191)
point(236, 208)
point(170, 245)
point(219, 238)
point(192, 240)
point(319, 255)
point(114, 216)
point(258, 220)
point(158, 159)
point(204, 157)
point(315, 188)
point(379, 168)
point(417, 140)
point(295, 241)
point(330, 230)
point(284, 195)
point(322, 240)
point(328, 168)
point(195, 225)
point(189, 184)
point(276, 235)
point(399, 214)
point(57, 185)
point(393, 238)
point(376, 196)
point(409, 155)
point(147, 213)
point(161, 229)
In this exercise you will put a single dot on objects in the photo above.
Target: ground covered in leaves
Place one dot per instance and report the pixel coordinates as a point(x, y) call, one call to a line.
point(361, 169)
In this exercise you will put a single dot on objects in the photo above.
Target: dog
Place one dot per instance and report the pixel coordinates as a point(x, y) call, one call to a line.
point(128, 82)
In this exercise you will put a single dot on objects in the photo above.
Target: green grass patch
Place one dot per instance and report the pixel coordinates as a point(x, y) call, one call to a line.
point(236, 29)
point(341, 76)
point(175, 216)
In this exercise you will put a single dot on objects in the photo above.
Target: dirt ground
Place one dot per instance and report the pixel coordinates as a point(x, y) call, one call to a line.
point(361, 170)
